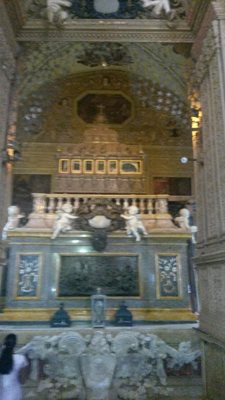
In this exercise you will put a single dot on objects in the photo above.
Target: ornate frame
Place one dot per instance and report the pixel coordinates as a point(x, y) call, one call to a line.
point(39, 276)
point(58, 266)
point(97, 165)
point(85, 170)
point(64, 166)
point(77, 161)
point(159, 277)
point(138, 164)
point(113, 171)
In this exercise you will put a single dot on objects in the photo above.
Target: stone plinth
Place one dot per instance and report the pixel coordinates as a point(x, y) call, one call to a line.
point(151, 276)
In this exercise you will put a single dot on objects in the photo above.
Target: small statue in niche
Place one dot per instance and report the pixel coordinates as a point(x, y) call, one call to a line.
point(13, 221)
point(61, 318)
point(63, 220)
point(134, 224)
point(98, 305)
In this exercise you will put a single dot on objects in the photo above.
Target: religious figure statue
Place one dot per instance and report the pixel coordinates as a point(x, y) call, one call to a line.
point(98, 303)
point(14, 217)
point(134, 224)
point(183, 221)
point(56, 12)
point(63, 220)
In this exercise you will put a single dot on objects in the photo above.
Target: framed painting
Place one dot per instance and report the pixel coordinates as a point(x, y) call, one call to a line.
point(100, 166)
point(80, 275)
point(168, 276)
point(112, 167)
point(88, 166)
point(131, 166)
point(76, 166)
point(64, 166)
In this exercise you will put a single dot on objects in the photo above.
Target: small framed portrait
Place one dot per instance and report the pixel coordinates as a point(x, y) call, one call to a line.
point(88, 166)
point(131, 166)
point(112, 167)
point(64, 166)
point(76, 166)
point(100, 166)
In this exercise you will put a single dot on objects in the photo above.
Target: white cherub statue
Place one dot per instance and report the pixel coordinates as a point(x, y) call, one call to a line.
point(183, 222)
point(14, 217)
point(55, 11)
point(134, 224)
point(63, 220)
point(158, 5)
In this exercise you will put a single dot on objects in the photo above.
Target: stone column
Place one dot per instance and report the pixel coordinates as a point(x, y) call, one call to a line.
point(209, 52)
point(7, 75)
point(8, 48)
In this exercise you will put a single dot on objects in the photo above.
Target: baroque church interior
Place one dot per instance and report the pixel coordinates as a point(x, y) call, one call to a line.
point(112, 132)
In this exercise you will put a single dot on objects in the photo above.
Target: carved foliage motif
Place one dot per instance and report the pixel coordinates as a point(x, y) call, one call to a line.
point(28, 275)
point(168, 276)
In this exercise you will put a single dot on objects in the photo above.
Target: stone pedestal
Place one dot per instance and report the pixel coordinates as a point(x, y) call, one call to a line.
point(151, 276)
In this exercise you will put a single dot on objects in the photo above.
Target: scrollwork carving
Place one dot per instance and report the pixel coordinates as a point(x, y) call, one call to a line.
point(99, 366)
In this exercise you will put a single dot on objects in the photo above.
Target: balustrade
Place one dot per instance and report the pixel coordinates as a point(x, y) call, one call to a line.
point(51, 203)
point(153, 208)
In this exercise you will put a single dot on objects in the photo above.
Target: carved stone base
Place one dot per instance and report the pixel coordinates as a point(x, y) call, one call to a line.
point(164, 221)
point(36, 221)
point(41, 220)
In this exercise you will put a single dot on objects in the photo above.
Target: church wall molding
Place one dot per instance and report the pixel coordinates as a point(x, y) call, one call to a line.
point(99, 33)
point(203, 260)
point(210, 339)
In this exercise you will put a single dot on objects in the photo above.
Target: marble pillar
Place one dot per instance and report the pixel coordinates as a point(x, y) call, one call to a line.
point(209, 53)
point(8, 49)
